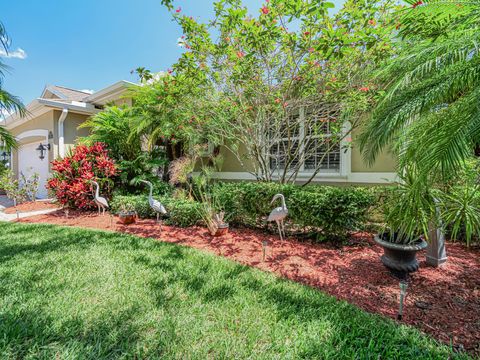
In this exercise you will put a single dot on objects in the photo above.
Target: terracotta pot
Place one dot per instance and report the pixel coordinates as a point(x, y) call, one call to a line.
point(221, 230)
point(127, 218)
point(400, 257)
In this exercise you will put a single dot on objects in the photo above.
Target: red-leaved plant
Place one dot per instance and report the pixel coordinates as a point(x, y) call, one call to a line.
point(71, 180)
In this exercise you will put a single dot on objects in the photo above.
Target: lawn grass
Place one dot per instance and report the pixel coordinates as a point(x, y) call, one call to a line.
point(68, 293)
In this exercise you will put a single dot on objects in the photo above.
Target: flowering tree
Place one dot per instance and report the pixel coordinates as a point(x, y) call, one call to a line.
point(72, 176)
point(283, 89)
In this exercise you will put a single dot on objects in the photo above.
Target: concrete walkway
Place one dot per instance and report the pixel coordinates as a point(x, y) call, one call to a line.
point(6, 202)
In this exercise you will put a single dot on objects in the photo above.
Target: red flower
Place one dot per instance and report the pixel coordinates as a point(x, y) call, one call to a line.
point(179, 9)
point(265, 10)
point(418, 3)
point(371, 22)
point(306, 33)
point(240, 54)
point(278, 101)
point(364, 89)
point(311, 50)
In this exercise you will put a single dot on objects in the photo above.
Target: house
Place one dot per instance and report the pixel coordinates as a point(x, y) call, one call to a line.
point(50, 127)
point(343, 165)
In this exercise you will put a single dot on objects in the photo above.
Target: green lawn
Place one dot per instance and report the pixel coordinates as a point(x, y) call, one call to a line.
point(68, 293)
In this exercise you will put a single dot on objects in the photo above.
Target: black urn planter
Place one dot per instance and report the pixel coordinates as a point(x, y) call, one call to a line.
point(400, 257)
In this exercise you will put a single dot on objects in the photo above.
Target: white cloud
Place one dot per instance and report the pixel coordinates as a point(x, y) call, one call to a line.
point(88, 91)
point(16, 54)
point(4, 114)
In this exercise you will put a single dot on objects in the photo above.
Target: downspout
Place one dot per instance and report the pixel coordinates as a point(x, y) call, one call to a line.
point(61, 135)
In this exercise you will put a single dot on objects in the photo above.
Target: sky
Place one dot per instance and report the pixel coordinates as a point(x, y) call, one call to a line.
point(90, 44)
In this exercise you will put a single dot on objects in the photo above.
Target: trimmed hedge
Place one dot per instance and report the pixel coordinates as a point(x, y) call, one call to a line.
point(329, 211)
point(332, 211)
point(181, 212)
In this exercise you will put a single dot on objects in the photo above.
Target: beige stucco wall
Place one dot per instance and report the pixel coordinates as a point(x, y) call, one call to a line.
point(385, 162)
point(49, 121)
point(231, 163)
point(70, 128)
point(42, 122)
point(123, 101)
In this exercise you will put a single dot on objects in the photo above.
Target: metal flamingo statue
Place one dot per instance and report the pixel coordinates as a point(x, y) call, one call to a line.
point(101, 202)
point(155, 204)
point(279, 214)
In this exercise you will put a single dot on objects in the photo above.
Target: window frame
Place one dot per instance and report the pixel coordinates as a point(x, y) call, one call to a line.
point(344, 152)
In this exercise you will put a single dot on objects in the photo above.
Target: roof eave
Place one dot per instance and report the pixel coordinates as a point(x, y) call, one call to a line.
point(109, 93)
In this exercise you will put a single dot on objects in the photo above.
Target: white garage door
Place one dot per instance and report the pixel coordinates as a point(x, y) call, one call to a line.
point(29, 163)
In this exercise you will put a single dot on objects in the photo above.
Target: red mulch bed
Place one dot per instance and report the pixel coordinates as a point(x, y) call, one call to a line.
point(450, 295)
point(31, 206)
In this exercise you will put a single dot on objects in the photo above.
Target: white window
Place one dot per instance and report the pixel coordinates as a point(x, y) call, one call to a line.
point(310, 143)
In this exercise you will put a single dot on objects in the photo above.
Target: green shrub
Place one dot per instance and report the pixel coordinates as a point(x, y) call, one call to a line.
point(332, 211)
point(181, 212)
point(137, 202)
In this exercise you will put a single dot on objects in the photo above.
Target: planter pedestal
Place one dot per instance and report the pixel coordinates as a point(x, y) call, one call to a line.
point(436, 253)
point(399, 257)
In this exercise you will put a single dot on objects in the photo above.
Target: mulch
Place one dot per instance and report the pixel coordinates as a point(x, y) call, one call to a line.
point(443, 302)
point(31, 206)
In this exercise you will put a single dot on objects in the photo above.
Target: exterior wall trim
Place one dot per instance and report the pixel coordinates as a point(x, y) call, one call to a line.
point(31, 133)
point(354, 177)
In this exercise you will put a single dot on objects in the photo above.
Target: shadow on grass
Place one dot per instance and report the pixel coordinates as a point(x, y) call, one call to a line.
point(177, 278)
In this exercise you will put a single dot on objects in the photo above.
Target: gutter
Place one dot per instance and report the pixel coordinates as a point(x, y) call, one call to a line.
point(61, 135)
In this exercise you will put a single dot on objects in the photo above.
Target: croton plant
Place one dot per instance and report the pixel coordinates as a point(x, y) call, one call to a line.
point(72, 176)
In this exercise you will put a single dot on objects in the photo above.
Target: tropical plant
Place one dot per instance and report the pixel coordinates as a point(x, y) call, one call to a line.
point(72, 176)
point(460, 212)
point(175, 112)
point(410, 210)
point(115, 127)
point(8, 102)
point(429, 111)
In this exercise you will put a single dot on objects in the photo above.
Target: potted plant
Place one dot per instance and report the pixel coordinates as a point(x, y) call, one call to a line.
point(220, 225)
point(127, 214)
point(408, 211)
point(210, 209)
point(213, 218)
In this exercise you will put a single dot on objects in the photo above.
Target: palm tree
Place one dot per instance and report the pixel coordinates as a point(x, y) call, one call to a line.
point(430, 111)
point(8, 102)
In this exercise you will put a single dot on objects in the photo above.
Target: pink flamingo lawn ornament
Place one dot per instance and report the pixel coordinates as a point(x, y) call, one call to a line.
point(279, 214)
point(101, 202)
